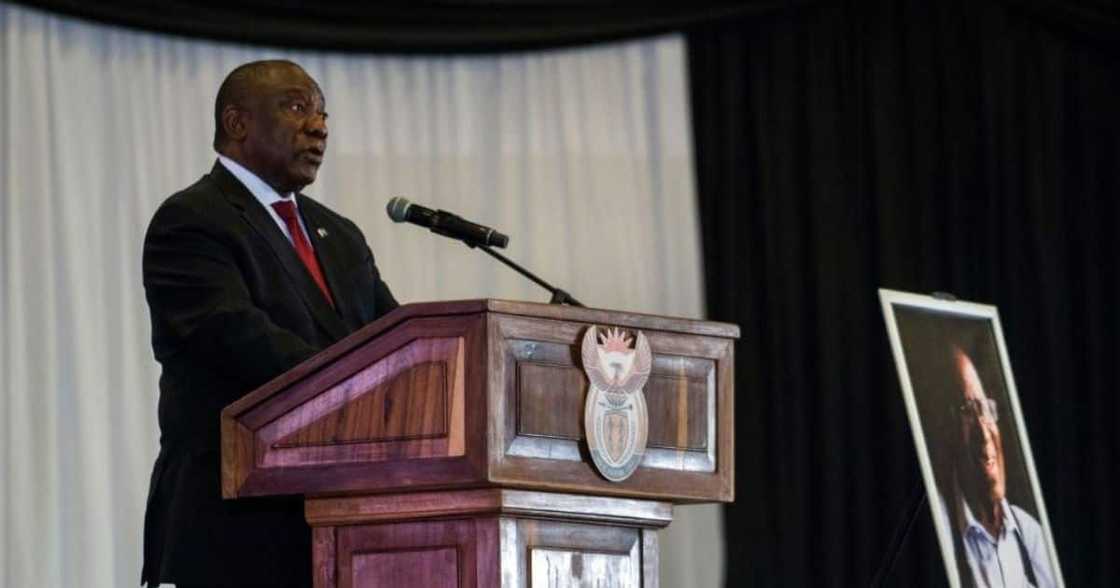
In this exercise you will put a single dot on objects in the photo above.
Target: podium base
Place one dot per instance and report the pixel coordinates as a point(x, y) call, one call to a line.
point(485, 538)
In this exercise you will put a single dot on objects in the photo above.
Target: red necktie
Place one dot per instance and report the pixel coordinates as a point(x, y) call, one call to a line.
point(287, 211)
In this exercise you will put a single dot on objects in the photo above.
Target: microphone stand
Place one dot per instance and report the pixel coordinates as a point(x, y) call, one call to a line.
point(917, 499)
point(558, 296)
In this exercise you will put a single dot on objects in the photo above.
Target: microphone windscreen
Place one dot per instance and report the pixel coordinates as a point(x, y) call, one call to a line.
point(398, 209)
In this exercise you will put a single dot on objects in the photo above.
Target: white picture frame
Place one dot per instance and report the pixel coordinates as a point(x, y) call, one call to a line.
point(939, 344)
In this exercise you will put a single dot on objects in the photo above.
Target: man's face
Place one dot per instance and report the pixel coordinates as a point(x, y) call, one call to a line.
point(980, 460)
point(286, 129)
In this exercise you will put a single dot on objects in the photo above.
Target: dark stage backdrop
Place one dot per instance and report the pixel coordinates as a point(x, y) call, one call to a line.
point(970, 147)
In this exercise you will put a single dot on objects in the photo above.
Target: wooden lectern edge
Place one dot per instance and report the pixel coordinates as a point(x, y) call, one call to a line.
point(382, 325)
point(725, 496)
point(235, 438)
point(460, 502)
point(406, 312)
point(623, 318)
point(233, 487)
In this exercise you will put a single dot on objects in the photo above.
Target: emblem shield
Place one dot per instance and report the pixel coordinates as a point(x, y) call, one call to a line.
point(617, 431)
point(615, 418)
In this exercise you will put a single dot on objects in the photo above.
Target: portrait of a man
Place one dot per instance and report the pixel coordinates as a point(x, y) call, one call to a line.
point(979, 475)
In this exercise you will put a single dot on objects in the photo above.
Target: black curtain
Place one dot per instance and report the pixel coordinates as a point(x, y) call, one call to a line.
point(960, 146)
point(410, 26)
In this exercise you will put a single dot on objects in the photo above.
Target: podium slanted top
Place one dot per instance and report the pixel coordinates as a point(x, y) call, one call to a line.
point(483, 393)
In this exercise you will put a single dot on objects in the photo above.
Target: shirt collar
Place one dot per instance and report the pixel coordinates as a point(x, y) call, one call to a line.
point(972, 524)
point(265, 194)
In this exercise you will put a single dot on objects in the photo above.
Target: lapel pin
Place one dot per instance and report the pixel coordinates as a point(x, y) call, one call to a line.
point(322, 232)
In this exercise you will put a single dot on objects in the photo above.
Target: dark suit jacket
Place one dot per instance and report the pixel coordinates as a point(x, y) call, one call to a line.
point(232, 307)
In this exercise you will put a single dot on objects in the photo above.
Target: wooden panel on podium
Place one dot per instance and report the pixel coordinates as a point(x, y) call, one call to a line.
point(444, 445)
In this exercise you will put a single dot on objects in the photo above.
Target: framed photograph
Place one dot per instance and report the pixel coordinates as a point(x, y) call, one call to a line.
point(972, 443)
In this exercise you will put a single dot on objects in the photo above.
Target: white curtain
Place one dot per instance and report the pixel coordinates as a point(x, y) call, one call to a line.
point(583, 156)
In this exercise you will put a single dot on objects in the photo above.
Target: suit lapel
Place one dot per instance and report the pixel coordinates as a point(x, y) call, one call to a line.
point(331, 253)
point(261, 222)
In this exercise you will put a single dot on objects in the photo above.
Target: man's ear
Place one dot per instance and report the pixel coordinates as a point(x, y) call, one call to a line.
point(234, 123)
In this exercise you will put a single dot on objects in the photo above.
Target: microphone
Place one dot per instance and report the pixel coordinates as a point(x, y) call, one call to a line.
point(444, 223)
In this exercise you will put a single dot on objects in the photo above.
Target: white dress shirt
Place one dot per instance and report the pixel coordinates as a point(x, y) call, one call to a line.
point(997, 562)
point(266, 195)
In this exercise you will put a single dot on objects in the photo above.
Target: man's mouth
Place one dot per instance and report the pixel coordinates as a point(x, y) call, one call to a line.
point(988, 461)
point(314, 154)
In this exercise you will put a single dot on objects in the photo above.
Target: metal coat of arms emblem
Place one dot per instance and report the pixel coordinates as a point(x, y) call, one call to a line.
point(615, 416)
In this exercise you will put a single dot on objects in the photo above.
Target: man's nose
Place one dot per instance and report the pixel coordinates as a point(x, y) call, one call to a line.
point(991, 431)
point(317, 126)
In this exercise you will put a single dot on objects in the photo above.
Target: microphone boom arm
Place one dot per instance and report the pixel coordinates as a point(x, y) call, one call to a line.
point(558, 296)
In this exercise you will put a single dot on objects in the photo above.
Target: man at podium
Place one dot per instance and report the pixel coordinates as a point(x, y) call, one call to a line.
point(245, 277)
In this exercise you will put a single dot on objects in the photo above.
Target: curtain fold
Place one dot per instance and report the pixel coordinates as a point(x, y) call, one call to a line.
point(583, 157)
point(954, 146)
point(407, 27)
point(428, 26)
point(1089, 22)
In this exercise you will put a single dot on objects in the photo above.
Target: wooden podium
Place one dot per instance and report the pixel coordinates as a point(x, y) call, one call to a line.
point(441, 446)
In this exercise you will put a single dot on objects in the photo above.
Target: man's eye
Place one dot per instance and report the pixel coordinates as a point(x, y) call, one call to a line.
point(297, 107)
